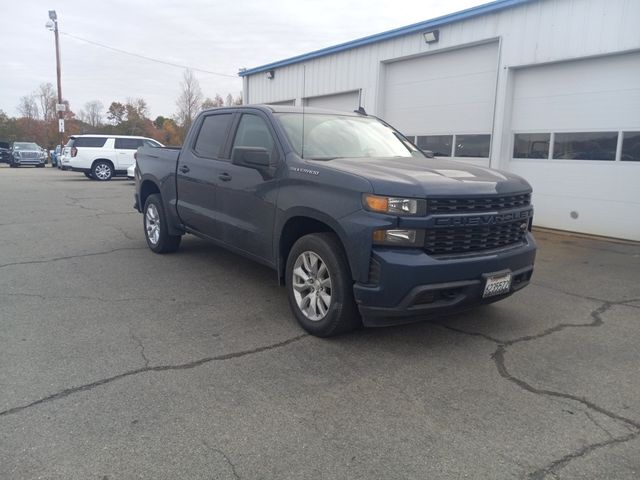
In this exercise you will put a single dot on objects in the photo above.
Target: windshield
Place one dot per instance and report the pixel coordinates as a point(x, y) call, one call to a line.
point(328, 136)
point(25, 146)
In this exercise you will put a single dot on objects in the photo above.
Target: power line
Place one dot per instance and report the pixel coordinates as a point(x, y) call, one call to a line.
point(144, 57)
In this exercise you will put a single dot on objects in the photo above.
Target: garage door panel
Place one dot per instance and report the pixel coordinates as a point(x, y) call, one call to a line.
point(598, 94)
point(469, 117)
point(346, 102)
point(448, 92)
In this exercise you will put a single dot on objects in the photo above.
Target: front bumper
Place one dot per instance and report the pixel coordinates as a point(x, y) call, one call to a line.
point(405, 284)
point(28, 161)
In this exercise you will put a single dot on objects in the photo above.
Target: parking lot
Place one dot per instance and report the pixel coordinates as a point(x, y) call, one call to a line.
point(119, 363)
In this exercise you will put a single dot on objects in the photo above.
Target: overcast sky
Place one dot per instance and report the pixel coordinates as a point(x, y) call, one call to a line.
point(220, 36)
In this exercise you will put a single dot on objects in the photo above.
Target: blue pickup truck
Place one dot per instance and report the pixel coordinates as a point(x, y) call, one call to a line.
point(359, 224)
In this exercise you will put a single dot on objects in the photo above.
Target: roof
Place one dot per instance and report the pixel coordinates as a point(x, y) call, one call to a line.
point(472, 12)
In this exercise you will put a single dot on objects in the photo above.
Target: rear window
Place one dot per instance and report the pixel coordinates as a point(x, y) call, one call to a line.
point(212, 135)
point(93, 142)
point(128, 143)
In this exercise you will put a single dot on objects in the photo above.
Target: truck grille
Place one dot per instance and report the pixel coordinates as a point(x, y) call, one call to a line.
point(29, 154)
point(460, 240)
point(477, 204)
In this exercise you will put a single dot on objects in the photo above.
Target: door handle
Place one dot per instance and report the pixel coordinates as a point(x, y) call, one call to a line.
point(184, 169)
point(225, 177)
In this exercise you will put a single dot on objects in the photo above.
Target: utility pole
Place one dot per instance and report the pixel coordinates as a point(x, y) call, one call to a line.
point(52, 24)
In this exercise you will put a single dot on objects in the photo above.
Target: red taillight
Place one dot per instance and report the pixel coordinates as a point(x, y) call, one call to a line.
point(74, 151)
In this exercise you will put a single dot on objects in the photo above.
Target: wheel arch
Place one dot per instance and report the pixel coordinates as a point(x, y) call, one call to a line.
point(299, 224)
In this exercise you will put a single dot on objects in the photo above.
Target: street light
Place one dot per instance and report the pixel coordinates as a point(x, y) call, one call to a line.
point(52, 25)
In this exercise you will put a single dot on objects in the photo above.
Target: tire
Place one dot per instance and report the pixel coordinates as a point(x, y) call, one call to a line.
point(102, 171)
point(40, 166)
point(89, 175)
point(322, 303)
point(155, 227)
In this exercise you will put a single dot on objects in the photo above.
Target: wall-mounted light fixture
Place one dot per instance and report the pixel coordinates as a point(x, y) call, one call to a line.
point(271, 74)
point(432, 36)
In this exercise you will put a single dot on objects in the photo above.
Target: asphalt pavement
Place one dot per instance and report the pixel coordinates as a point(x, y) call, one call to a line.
point(117, 363)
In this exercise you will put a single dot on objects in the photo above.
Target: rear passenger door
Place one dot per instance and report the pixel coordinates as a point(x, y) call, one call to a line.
point(197, 173)
point(125, 150)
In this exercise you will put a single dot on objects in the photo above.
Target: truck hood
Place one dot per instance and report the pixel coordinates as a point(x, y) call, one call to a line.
point(421, 177)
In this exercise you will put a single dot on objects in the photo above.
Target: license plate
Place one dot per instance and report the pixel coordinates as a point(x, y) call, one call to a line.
point(497, 285)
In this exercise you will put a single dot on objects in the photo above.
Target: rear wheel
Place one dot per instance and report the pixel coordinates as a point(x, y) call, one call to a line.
point(320, 287)
point(102, 170)
point(155, 227)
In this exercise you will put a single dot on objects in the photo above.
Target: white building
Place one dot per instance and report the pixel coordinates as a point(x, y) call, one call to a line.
point(548, 89)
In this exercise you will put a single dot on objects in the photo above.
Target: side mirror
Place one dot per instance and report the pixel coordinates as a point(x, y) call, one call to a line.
point(428, 153)
point(255, 157)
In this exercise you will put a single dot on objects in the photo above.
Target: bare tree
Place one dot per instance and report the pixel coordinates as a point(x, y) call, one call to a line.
point(190, 100)
point(28, 107)
point(47, 99)
point(92, 113)
point(229, 100)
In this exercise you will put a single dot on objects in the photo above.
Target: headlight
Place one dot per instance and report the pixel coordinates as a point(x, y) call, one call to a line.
point(399, 238)
point(395, 205)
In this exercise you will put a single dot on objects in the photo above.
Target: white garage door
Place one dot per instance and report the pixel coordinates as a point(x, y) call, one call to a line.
point(347, 102)
point(284, 102)
point(445, 94)
point(576, 136)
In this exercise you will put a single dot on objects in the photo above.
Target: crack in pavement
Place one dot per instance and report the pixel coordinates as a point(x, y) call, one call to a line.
point(157, 368)
point(69, 257)
point(498, 357)
point(562, 462)
point(141, 346)
point(226, 457)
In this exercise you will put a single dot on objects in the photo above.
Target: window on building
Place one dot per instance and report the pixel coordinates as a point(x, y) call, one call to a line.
point(212, 135)
point(630, 147)
point(531, 145)
point(440, 145)
point(585, 146)
point(472, 146)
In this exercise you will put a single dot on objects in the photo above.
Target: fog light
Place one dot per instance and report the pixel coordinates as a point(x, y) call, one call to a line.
point(408, 238)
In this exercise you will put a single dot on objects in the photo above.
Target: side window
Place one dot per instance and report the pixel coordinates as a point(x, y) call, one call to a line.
point(150, 143)
point(254, 132)
point(95, 142)
point(128, 143)
point(212, 135)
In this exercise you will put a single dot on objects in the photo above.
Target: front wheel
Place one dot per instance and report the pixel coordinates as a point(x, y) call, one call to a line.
point(155, 227)
point(320, 287)
point(102, 171)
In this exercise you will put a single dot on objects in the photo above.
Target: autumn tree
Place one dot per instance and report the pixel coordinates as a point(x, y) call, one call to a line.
point(47, 100)
point(190, 100)
point(92, 113)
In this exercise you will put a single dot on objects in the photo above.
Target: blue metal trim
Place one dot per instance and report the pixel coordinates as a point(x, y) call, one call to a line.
point(483, 9)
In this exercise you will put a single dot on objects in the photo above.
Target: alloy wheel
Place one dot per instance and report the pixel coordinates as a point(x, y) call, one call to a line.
point(312, 285)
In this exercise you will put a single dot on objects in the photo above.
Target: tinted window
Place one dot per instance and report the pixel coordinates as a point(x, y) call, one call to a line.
point(150, 143)
point(411, 138)
point(95, 142)
point(128, 143)
point(253, 132)
point(4, 145)
point(472, 145)
point(585, 146)
point(212, 135)
point(531, 145)
point(631, 147)
point(440, 145)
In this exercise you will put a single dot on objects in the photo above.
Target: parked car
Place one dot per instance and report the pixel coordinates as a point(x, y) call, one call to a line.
point(27, 153)
point(55, 156)
point(101, 157)
point(5, 152)
point(131, 171)
point(357, 222)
